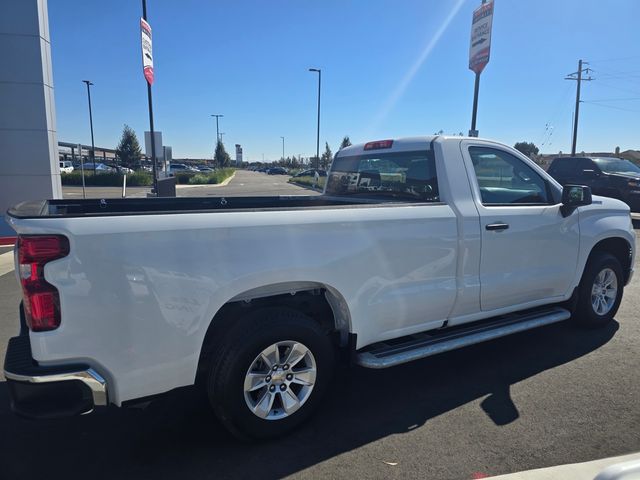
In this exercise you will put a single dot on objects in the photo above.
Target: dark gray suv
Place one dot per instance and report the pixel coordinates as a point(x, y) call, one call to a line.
point(607, 176)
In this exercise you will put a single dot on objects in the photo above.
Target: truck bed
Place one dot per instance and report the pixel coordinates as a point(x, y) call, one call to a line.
point(149, 206)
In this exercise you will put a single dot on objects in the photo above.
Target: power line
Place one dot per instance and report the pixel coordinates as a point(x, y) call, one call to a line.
point(615, 99)
point(622, 89)
point(610, 106)
point(549, 126)
point(618, 59)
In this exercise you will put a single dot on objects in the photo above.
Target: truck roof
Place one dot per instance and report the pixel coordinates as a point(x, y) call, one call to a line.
point(404, 144)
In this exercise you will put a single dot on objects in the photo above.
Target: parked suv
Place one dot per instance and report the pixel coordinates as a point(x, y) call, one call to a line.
point(607, 176)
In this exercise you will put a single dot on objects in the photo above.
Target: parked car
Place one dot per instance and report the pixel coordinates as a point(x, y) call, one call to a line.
point(99, 168)
point(181, 168)
point(607, 176)
point(420, 246)
point(277, 171)
point(206, 169)
point(66, 166)
point(311, 173)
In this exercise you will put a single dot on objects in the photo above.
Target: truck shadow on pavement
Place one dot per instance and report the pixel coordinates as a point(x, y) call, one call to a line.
point(179, 437)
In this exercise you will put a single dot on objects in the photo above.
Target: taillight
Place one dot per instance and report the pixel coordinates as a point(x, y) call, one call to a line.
point(41, 299)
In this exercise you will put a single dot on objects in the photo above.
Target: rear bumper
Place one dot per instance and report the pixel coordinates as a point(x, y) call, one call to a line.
point(50, 391)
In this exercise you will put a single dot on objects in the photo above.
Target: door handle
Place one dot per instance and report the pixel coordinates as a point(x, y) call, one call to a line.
point(497, 226)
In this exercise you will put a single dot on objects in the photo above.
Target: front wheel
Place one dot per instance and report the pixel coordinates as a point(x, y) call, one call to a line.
point(270, 373)
point(600, 291)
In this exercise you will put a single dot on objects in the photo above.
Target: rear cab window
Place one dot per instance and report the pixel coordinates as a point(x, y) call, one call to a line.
point(409, 176)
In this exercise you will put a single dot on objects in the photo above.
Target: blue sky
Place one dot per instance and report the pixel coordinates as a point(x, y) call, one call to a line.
point(248, 60)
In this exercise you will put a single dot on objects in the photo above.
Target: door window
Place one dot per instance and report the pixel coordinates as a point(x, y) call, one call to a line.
point(586, 168)
point(563, 167)
point(504, 179)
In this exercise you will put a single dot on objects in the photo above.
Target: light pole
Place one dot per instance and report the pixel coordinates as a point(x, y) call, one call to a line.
point(318, 132)
point(93, 147)
point(282, 148)
point(217, 127)
point(221, 134)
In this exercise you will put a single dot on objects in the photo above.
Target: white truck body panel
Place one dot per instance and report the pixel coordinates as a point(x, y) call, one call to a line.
point(138, 292)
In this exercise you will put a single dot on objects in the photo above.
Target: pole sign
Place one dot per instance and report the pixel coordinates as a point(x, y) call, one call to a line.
point(480, 45)
point(147, 51)
point(238, 155)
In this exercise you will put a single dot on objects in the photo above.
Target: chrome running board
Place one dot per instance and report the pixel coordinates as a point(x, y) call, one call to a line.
point(414, 347)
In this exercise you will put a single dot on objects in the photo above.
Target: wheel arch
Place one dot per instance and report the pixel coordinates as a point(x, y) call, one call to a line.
point(322, 302)
point(620, 248)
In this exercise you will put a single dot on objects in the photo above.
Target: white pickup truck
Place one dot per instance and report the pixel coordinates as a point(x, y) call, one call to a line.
point(417, 246)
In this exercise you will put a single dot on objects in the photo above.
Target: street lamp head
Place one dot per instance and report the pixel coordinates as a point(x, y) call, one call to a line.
point(88, 82)
point(314, 70)
point(217, 115)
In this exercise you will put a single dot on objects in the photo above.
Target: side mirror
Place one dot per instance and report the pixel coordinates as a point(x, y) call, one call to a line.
point(574, 196)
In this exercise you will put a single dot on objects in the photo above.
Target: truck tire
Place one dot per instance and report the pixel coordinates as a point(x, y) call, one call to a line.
point(270, 373)
point(600, 291)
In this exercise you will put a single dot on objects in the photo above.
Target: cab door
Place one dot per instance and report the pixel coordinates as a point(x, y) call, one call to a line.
point(529, 251)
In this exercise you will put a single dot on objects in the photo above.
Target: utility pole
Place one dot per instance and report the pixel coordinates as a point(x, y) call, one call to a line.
point(578, 77)
point(282, 148)
point(217, 127)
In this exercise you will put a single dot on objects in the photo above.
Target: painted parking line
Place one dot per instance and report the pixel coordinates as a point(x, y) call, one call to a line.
point(6, 263)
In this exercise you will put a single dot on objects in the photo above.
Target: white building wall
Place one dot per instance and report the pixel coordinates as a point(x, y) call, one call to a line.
point(28, 141)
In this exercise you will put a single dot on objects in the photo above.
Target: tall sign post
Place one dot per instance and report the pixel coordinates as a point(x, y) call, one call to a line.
point(238, 155)
point(147, 70)
point(479, 49)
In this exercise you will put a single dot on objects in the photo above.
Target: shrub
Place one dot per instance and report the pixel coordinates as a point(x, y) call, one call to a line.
point(210, 178)
point(199, 179)
point(137, 179)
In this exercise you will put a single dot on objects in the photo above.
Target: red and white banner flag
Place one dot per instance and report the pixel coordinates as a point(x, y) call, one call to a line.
point(147, 51)
point(480, 45)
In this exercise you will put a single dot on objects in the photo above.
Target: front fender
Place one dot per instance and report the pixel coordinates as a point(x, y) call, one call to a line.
point(605, 218)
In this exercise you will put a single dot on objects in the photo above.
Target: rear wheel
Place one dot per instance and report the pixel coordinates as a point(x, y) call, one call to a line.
point(600, 290)
point(268, 376)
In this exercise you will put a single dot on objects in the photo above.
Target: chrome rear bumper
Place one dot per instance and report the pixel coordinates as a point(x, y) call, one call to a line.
point(50, 391)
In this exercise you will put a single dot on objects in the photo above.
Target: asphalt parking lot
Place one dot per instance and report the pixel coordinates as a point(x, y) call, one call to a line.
point(244, 183)
point(552, 396)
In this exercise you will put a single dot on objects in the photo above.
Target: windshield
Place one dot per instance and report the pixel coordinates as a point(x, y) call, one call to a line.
point(409, 175)
point(616, 165)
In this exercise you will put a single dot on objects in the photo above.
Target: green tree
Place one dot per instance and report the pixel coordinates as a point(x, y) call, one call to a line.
point(326, 157)
point(129, 151)
point(346, 142)
point(221, 158)
point(528, 148)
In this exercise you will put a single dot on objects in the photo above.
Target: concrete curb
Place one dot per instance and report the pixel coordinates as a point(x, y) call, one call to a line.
point(7, 263)
point(223, 184)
